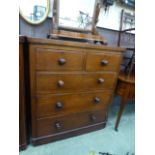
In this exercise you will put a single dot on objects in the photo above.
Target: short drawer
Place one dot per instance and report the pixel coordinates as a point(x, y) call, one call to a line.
point(54, 83)
point(59, 104)
point(49, 126)
point(58, 60)
point(103, 62)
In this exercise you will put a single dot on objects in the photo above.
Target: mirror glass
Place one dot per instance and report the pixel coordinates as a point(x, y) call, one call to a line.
point(34, 11)
point(76, 13)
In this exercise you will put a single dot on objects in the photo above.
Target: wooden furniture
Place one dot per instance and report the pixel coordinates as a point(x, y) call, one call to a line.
point(71, 85)
point(83, 19)
point(126, 89)
point(88, 33)
point(78, 36)
point(22, 113)
point(126, 80)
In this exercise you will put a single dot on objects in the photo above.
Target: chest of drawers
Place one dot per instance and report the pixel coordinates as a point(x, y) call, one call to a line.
point(71, 87)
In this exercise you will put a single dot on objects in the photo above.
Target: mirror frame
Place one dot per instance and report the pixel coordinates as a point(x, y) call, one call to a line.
point(56, 19)
point(36, 22)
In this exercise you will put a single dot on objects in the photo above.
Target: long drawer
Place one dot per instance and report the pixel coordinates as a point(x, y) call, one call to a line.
point(59, 104)
point(49, 126)
point(61, 82)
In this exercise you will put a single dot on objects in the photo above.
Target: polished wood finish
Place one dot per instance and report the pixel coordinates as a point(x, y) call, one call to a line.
point(70, 45)
point(68, 95)
point(103, 61)
point(22, 112)
point(48, 105)
point(126, 89)
point(65, 82)
point(49, 126)
point(51, 60)
point(77, 35)
point(68, 133)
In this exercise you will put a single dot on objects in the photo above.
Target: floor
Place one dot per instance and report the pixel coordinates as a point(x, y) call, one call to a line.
point(105, 140)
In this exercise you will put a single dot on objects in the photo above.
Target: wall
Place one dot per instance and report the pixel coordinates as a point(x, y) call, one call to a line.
point(37, 31)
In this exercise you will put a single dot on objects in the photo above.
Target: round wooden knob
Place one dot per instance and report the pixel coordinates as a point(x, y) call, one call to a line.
point(92, 118)
point(101, 80)
point(59, 105)
point(97, 100)
point(61, 83)
point(104, 62)
point(62, 61)
point(58, 125)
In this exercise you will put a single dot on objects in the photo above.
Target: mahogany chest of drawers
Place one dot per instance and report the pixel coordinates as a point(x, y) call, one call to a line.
point(71, 87)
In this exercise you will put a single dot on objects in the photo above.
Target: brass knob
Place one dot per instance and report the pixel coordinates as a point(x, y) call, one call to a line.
point(61, 83)
point(93, 118)
point(104, 62)
point(62, 61)
point(97, 100)
point(59, 105)
point(58, 125)
point(101, 80)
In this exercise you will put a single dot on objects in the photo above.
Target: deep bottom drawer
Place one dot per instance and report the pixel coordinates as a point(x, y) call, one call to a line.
point(49, 126)
point(67, 134)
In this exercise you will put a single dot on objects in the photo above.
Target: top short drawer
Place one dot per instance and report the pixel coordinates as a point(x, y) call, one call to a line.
point(58, 60)
point(103, 62)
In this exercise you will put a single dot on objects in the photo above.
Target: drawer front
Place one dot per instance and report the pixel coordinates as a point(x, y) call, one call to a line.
point(70, 103)
point(48, 126)
point(52, 60)
point(54, 83)
point(103, 62)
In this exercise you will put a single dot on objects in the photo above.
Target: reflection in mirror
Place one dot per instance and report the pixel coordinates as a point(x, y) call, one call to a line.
point(34, 11)
point(76, 14)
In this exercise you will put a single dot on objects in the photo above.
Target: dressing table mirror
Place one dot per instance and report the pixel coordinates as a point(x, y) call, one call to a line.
point(76, 20)
point(34, 11)
point(76, 15)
